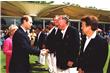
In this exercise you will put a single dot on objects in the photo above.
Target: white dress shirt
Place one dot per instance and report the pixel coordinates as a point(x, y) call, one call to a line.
point(39, 35)
point(88, 40)
point(64, 31)
point(52, 30)
point(23, 28)
point(56, 29)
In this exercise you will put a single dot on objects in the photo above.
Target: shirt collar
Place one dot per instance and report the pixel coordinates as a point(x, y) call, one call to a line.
point(23, 28)
point(52, 29)
point(63, 31)
point(93, 35)
point(56, 28)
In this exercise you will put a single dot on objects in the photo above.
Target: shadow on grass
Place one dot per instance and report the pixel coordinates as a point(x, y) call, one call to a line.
point(36, 67)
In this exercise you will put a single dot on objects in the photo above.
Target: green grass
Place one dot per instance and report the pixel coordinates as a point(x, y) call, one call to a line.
point(32, 61)
point(107, 61)
point(2, 62)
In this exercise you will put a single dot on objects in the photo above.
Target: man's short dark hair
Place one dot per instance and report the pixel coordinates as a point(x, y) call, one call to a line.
point(91, 21)
point(24, 18)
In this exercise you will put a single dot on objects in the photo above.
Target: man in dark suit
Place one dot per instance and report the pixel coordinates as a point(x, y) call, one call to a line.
point(51, 45)
point(40, 44)
point(22, 48)
point(50, 40)
point(40, 39)
point(67, 51)
point(94, 49)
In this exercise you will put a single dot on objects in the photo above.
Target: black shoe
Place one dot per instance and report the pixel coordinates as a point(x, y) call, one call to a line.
point(37, 62)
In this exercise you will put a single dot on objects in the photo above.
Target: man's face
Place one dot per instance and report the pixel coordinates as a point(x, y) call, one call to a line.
point(62, 23)
point(28, 23)
point(55, 21)
point(85, 28)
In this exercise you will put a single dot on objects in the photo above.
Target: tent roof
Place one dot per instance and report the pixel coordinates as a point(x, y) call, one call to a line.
point(19, 8)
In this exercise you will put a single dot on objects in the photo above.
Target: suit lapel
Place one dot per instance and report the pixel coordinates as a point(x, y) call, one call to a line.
point(25, 35)
point(66, 33)
point(91, 44)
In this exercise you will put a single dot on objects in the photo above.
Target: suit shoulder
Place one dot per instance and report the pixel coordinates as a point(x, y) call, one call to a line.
point(101, 39)
point(73, 30)
point(18, 33)
point(43, 34)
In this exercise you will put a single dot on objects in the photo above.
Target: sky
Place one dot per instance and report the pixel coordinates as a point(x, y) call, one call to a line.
point(99, 4)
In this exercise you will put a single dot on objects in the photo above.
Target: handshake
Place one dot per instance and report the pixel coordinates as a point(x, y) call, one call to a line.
point(44, 52)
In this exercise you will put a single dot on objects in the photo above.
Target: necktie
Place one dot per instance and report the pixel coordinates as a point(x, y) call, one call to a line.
point(28, 37)
point(26, 33)
point(54, 31)
point(60, 34)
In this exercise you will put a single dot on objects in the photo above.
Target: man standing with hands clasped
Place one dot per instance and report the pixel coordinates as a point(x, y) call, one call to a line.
point(68, 48)
point(94, 49)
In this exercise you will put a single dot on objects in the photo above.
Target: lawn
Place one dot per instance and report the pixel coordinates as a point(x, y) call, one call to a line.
point(107, 61)
point(2, 62)
point(37, 68)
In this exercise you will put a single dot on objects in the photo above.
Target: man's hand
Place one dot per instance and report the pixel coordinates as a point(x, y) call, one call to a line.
point(44, 51)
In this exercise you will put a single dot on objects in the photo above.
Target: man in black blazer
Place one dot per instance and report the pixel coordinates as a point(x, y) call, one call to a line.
point(40, 39)
point(22, 48)
point(51, 45)
point(94, 48)
point(40, 44)
point(68, 48)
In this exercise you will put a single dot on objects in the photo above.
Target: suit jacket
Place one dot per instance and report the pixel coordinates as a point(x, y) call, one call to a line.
point(20, 53)
point(41, 41)
point(92, 60)
point(68, 48)
point(52, 41)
